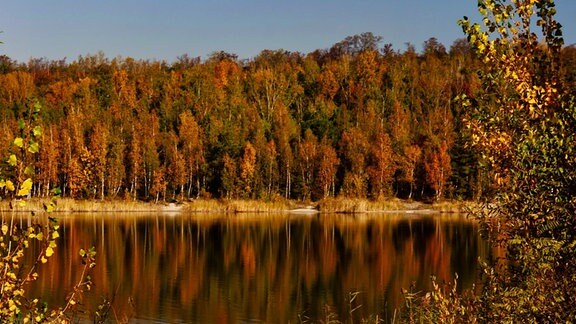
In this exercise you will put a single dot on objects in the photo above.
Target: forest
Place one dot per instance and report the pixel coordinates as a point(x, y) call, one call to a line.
point(360, 119)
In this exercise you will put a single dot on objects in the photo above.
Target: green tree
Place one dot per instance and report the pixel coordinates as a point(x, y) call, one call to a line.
point(229, 176)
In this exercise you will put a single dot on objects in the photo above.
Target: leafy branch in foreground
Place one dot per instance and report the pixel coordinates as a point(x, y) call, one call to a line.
point(17, 239)
point(522, 123)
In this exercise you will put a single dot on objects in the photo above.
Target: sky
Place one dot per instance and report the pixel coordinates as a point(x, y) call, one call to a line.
point(167, 29)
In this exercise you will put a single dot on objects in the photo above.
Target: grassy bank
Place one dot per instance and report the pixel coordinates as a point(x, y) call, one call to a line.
point(351, 206)
point(329, 205)
point(72, 205)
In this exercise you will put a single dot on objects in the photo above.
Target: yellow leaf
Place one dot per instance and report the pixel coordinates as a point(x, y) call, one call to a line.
point(12, 160)
point(49, 208)
point(25, 188)
point(18, 141)
point(43, 259)
point(4, 229)
point(49, 251)
point(10, 185)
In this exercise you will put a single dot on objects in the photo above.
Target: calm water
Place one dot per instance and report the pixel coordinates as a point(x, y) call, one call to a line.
point(277, 268)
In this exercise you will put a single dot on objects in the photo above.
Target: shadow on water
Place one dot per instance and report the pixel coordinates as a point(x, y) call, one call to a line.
point(277, 268)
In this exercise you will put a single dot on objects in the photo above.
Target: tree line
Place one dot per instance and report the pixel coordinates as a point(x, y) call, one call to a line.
point(356, 120)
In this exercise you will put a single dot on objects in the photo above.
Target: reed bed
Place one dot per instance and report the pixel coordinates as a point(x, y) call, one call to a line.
point(238, 206)
point(352, 206)
point(68, 205)
point(328, 205)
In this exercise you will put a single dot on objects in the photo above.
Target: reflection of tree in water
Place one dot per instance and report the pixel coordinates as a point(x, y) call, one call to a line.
point(406, 230)
point(187, 269)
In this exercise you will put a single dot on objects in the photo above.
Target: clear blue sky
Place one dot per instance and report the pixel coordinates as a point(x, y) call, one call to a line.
point(166, 29)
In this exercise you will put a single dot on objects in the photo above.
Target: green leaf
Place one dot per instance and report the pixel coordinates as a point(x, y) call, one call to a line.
point(19, 141)
point(21, 124)
point(56, 191)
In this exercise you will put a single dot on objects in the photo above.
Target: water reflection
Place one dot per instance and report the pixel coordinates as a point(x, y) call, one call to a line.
point(206, 268)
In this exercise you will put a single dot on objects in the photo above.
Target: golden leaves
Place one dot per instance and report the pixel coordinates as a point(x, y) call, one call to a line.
point(25, 188)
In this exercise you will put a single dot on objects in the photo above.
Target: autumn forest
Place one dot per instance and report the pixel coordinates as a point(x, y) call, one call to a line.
point(359, 119)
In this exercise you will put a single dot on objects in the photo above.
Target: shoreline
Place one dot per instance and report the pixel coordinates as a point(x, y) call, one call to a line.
point(326, 206)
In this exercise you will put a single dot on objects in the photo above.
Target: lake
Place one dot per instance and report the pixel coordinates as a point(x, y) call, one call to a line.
point(204, 268)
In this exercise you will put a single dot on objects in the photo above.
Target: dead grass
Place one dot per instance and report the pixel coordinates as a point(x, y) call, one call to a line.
point(352, 206)
point(68, 205)
point(328, 205)
point(237, 206)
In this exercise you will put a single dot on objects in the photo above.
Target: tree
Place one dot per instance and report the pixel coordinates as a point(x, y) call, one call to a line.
point(412, 156)
point(135, 169)
point(99, 149)
point(270, 164)
point(354, 145)
point(48, 163)
point(228, 176)
point(437, 168)
point(327, 167)
point(307, 155)
point(115, 165)
point(192, 148)
point(158, 185)
point(356, 44)
point(248, 170)
point(381, 166)
point(77, 159)
point(176, 173)
point(150, 137)
point(433, 47)
point(284, 132)
point(274, 83)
